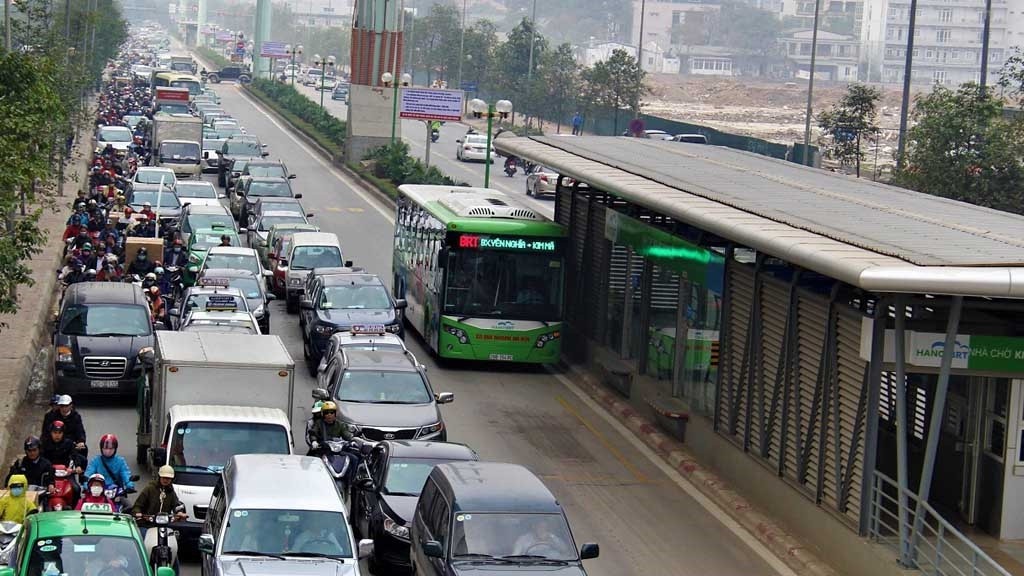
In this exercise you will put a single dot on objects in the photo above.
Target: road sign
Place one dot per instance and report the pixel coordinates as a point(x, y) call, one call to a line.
point(469, 86)
point(431, 104)
point(273, 50)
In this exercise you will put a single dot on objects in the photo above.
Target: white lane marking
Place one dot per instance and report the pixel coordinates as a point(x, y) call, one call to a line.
point(712, 508)
point(355, 187)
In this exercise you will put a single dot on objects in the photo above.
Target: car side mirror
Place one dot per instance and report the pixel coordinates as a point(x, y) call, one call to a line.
point(401, 304)
point(174, 312)
point(270, 295)
point(292, 176)
point(297, 196)
point(206, 544)
point(432, 548)
point(206, 155)
point(243, 230)
point(348, 263)
point(459, 141)
point(445, 397)
point(165, 571)
point(147, 356)
point(193, 269)
point(320, 394)
point(365, 548)
point(263, 145)
point(306, 304)
point(268, 274)
point(221, 196)
point(310, 215)
point(282, 262)
point(587, 551)
point(264, 154)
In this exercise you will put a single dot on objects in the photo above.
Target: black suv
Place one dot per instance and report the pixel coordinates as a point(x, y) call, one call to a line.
point(236, 147)
point(236, 73)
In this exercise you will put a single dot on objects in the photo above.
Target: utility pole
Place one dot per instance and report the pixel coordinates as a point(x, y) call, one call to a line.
point(533, 39)
point(7, 25)
point(810, 87)
point(462, 46)
point(67, 21)
point(907, 69)
point(639, 60)
point(985, 36)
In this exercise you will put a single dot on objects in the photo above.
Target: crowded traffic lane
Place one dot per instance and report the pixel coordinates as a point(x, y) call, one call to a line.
point(613, 495)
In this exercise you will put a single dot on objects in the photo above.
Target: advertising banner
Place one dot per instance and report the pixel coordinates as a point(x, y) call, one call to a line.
point(273, 50)
point(431, 104)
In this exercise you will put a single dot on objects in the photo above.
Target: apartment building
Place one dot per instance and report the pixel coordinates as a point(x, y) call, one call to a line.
point(664, 20)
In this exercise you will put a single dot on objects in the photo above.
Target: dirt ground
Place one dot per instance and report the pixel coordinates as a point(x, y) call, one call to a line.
point(773, 110)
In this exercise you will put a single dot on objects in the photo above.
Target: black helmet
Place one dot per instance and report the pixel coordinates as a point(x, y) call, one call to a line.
point(31, 443)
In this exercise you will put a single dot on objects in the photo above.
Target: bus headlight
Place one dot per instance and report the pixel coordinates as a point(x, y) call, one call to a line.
point(545, 338)
point(458, 333)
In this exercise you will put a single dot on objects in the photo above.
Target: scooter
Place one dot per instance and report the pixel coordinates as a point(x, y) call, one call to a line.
point(435, 135)
point(510, 169)
point(8, 536)
point(162, 539)
point(63, 496)
point(333, 453)
point(118, 495)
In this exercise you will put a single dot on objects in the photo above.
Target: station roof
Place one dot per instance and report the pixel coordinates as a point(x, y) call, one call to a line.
point(879, 237)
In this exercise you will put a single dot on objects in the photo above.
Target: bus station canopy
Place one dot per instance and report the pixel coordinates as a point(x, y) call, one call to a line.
point(875, 236)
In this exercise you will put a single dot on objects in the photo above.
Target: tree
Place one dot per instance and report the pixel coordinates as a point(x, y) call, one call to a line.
point(749, 30)
point(848, 120)
point(692, 31)
point(1011, 77)
point(963, 148)
point(615, 83)
point(560, 77)
point(512, 67)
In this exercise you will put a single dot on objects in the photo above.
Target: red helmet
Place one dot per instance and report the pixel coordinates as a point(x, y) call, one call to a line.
point(108, 441)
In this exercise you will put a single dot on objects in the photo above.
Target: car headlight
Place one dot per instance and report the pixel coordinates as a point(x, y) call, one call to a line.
point(259, 312)
point(395, 529)
point(430, 430)
point(194, 258)
point(323, 329)
point(458, 333)
point(64, 355)
point(545, 338)
point(295, 281)
point(393, 328)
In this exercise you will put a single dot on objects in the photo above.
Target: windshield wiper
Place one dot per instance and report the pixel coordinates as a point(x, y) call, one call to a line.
point(252, 553)
point(112, 334)
point(315, 555)
point(532, 558)
point(201, 469)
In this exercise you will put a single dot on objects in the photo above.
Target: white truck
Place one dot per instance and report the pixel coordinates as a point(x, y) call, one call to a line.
point(190, 408)
point(177, 144)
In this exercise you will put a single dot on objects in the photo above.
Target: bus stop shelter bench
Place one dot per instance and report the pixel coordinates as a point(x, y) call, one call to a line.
point(670, 417)
point(615, 375)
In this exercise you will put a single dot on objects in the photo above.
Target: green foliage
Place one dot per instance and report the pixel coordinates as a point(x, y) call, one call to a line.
point(393, 163)
point(288, 99)
point(962, 148)
point(1011, 77)
point(747, 29)
point(213, 57)
point(572, 21)
point(615, 83)
point(848, 121)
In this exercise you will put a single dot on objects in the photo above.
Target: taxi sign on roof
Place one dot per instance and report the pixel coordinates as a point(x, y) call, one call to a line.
point(214, 282)
point(97, 508)
point(368, 329)
point(218, 302)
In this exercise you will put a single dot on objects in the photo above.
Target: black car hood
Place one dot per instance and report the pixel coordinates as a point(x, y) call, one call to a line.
point(350, 316)
point(116, 346)
point(390, 415)
point(400, 508)
point(490, 569)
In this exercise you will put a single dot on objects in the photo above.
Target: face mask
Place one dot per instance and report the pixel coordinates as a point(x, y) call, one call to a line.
point(96, 491)
point(141, 257)
point(17, 491)
point(177, 249)
point(107, 452)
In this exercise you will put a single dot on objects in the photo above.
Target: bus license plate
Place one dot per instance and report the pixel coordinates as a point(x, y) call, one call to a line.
point(103, 383)
point(506, 357)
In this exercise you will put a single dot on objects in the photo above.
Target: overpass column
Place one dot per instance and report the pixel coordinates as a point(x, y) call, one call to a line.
point(260, 65)
point(200, 22)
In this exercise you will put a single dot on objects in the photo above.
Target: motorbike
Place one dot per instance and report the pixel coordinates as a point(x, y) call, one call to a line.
point(63, 496)
point(161, 540)
point(334, 453)
point(510, 169)
point(118, 495)
point(176, 282)
point(434, 135)
point(8, 536)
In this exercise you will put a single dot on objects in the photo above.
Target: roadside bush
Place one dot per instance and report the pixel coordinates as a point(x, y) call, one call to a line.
point(297, 104)
point(213, 57)
point(392, 162)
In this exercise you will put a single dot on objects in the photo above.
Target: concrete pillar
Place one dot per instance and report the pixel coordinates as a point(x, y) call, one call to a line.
point(376, 48)
point(260, 65)
point(201, 23)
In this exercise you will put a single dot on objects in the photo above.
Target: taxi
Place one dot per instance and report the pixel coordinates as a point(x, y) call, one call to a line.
point(95, 540)
point(208, 296)
point(199, 243)
point(221, 322)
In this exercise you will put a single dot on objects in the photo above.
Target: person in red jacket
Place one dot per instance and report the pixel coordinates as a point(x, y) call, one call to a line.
point(93, 493)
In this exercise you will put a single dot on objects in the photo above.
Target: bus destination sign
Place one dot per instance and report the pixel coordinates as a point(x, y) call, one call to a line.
point(512, 243)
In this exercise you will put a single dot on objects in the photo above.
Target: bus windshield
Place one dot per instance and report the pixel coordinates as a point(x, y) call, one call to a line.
point(498, 284)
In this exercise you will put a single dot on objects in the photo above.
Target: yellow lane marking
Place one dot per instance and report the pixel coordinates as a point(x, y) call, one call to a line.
point(640, 477)
point(356, 210)
point(332, 209)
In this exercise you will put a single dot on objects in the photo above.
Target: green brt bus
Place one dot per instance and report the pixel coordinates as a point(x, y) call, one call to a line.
point(482, 274)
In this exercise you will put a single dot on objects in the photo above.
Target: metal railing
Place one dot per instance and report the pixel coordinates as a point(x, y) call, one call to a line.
point(937, 548)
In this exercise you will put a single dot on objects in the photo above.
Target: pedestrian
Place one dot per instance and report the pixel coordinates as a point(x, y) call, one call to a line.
point(577, 124)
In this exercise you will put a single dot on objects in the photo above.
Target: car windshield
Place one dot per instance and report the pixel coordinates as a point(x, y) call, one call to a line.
point(168, 108)
point(522, 536)
point(273, 170)
point(243, 147)
point(406, 476)
point(269, 221)
point(207, 241)
point(195, 190)
point(200, 301)
point(170, 151)
point(198, 446)
point(309, 257)
point(228, 130)
point(211, 143)
point(239, 165)
point(314, 72)
point(284, 532)
point(132, 120)
point(115, 134)
point(105, 320)
point(497, 284)
point(198, 221)
point(382, 387)
point(248, 286)
point(154, 176)
point(193, 86)
point(167, 199)
point(257, 189)
point(353, 296)
point(233, 262)
point(87, 554)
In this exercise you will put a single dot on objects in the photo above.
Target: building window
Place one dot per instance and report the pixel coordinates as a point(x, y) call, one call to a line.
point(677, 17)
point(943, 35)
point(939, 76)
point(945, 15)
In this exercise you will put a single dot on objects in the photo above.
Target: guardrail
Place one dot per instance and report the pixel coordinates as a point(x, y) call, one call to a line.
point(936, 548)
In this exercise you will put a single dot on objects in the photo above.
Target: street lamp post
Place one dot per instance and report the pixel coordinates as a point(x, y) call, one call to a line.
point(323, 64)
point(388, 79)
point(479, 108)
point(293, 51)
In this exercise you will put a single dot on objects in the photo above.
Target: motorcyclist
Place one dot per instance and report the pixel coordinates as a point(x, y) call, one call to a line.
point(74, 429)
point(111, 270)
point(149, 280)
point(158, 497)
point(33, 466)
point(330, 428)
point(15, 505)
point(110, 464)
point(87, 258)
point(157, 306)
point(142, 264)
point(60, 449)
point(147, 209)
point(94, 492)
point(175, 255)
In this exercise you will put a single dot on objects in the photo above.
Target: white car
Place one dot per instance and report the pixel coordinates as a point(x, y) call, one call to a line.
point(234, 258)
point(198, 193)
point(120, 137)
point(312, 77)
point(473, 147)
point(327, 83)
point(226, 322)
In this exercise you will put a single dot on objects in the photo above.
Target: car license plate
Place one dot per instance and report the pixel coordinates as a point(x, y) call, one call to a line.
point(506, 357)
point(103, 383)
